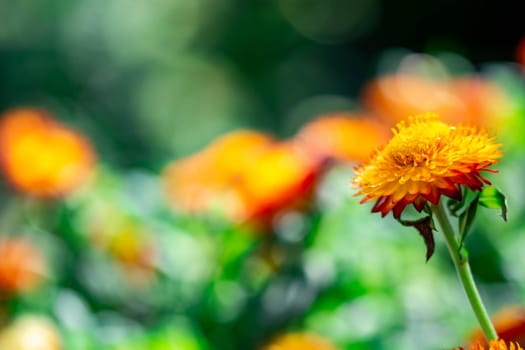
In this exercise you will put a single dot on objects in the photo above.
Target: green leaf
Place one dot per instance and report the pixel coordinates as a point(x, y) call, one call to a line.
point(491, 197)
point(466, 218)
point(455, 207)
point(424, 226)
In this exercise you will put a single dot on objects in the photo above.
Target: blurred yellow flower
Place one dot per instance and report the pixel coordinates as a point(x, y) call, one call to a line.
point(343, 136)
point(300, 341)
point(128, 241)
point(31, 332)
point(130, 244)
point(495, 345)
point(425, 159)
point(280, 178)
point(41, 157)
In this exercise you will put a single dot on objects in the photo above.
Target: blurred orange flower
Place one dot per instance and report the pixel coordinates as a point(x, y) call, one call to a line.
point(471, 100)
point(300, 341)
point(42, 157)
point(229, 152)
point(520, 52)
point(509, 323)
point(208, 179)
point(281, 177)
point(394, 97)
point(22, 266)
point(246, 174)
point(483, 103)
point(343, 136)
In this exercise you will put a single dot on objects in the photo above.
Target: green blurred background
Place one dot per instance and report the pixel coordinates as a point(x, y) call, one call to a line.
point(166, 76)
point(149, 82)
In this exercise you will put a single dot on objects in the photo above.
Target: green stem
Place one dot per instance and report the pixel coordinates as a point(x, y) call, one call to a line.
point(465, 275)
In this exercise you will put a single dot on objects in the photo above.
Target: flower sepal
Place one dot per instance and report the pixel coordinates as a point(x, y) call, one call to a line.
point(425, 226)
point(466, 218)
point(458, 207)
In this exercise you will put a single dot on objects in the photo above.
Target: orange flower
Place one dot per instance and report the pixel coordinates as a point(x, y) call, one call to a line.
point(342, 136)
point(425, 159)
point(509, 323)
point(495, 345)
point(246, 174)
point(394, 97)
point(40, 156)
point(470, 100)
point(21, 265)
point(280, 177)
point(300, 341)
point(483, 103)
point(230, 152)
point(209, 179)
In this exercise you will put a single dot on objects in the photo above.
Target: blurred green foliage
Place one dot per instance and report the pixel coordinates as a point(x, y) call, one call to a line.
point(152, 81)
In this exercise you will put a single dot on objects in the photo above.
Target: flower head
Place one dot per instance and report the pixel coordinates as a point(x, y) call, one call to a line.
point(509, 323)
point(343, 136)
point(393, 97)
point(282, 177)
point(22, 265)
point(495, 345)
point(299, 341)
point(425, 159)
point(209, 179)
point(41, 157)
point(472, 100)
point(248, 175)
